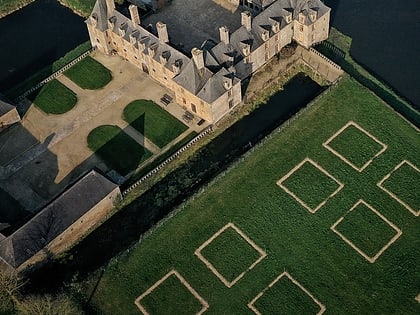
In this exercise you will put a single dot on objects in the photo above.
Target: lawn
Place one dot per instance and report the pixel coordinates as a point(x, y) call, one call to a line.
point(118, 150)
point(153, 122)
point(55, 98)
point(296, 241)
point(89, 74)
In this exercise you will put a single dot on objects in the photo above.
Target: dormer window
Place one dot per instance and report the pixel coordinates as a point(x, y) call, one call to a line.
point(246, 50)
point(265, 35)
point(301, 18)
point(122, 29)
point(94, 19)
point(227, 84)
point(289, 18)
point(276, 27)
point(176, 67)
point(133, 37)
point(312, 15)
point(152, 49)
point(111, 22)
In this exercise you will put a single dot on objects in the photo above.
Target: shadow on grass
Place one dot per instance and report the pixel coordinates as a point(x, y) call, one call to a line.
point(117, 149)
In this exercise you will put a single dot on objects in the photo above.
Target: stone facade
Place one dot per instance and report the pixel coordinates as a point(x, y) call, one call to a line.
point(209, 82)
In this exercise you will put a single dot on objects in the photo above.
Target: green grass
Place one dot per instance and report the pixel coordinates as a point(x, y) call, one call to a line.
point(362, 148)
point(366, 230)
point(153, 122)
point(230, 254)
point(284, 297)
point(118, 150)
point(161, 158)
point(8, 6)
point(89, 74)
point(84, 7)
point(55, 98)
point(157, 301)
point(310, 185)
point(405, 184)
point(295, 240)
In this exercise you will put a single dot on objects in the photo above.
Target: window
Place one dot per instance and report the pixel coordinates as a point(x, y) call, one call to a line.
point(184, 101)
point(300, 28)
point(277, 37)
point(193, 108)
point(229, 93)
point(98, 40)
point(230, 104)
point(266, 56)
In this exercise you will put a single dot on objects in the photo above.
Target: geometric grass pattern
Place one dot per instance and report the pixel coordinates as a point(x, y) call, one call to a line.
point(287, 277)
point(370, 258)
point(362, 150)
point(229, 284)
point(300, 200)
point(173, 272)
point(380, 184)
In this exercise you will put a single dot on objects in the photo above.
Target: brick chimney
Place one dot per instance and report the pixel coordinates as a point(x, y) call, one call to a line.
point(224, 34)
point(162, 32)
point(134, 14)
point(198, 57)
point(246, 20)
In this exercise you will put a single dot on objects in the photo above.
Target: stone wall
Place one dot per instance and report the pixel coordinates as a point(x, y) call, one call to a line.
point(9, 118)
point(75, 232)
point(319, 63)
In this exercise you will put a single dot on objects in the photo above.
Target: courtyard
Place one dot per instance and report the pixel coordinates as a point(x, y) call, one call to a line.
point(47, 152)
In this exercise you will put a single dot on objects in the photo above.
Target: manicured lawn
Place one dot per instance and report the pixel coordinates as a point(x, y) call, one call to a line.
point(405, 184)
point(55, 98)
point(89, 74)
point(118, 150)
point(153, 122)
point(295, 240)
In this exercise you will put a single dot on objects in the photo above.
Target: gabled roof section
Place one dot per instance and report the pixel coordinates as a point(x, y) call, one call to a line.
point(193, 79)
point(55, 218)
point(5, 107)
point(215, 86)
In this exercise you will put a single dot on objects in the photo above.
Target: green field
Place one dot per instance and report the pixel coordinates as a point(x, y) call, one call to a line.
point(366, 230)
point(118, 150)
point(153, 122)
point(55, 98)
point(405, 184)
point(362, 149)
point(295, 240)
point(89, 74)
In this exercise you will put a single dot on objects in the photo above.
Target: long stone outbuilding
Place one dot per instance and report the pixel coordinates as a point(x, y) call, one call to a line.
point(209, 82)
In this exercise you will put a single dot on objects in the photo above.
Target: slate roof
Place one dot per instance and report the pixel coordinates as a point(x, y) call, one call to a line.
point(55, 218)
point(5, 107)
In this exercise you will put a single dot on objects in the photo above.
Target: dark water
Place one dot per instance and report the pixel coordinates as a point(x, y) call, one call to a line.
point(34, 37)
point(386, 39)
point(124, 228)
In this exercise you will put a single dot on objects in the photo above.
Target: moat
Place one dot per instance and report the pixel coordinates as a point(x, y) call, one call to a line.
point(36, 36)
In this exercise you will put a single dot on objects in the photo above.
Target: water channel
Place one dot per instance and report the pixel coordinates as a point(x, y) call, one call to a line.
point(124, 228)
point(34, 37)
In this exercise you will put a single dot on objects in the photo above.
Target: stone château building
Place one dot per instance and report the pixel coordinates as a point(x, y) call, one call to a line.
point(209, 82)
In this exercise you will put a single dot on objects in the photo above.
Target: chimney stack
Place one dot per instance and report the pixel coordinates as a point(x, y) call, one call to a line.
point(246, 20)
point(134, 14)
point(110, 5)
point(198, 57)
point(224, 34)
point(162, 32)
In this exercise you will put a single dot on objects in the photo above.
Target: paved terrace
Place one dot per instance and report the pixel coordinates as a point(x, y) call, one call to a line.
point(191, 22)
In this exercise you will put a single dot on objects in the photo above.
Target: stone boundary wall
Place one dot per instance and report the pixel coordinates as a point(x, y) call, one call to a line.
point(56, 74)
point(206, 131)
point(321, 64)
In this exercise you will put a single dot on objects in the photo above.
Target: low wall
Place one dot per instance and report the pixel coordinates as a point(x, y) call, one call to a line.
point(319, 63)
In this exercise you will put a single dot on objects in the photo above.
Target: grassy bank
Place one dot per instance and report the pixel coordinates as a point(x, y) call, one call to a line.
point(9, 6)
point(338, 49)
point(294, 239)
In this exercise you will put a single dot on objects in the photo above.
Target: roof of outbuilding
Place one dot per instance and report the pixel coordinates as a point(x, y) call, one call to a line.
point(55, 218)
point(5, 107)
